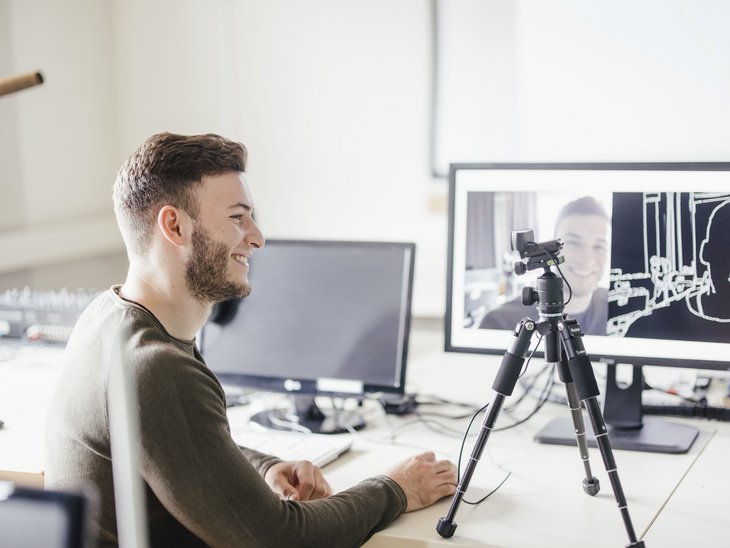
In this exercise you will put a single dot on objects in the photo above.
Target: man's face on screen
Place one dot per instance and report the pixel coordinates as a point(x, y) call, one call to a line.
point(586, 249)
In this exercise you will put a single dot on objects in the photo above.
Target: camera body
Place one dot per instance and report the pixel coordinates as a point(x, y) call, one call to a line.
point(535, 255)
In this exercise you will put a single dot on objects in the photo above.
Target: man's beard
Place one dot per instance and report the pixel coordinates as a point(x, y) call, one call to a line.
point(207, 274)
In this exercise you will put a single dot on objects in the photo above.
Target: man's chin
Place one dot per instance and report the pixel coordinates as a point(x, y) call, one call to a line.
point(219, 293)
point(237, 291)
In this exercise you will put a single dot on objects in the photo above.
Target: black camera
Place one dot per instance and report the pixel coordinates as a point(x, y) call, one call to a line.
point(537, 255)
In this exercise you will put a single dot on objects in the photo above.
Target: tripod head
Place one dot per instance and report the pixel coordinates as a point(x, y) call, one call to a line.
point(549, 292)
point(536, 255)
point(545, 255)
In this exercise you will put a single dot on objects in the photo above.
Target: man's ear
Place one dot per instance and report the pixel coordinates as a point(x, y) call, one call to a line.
point(174, 224)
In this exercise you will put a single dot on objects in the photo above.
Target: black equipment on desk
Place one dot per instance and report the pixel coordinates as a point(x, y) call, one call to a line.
point(564, 348)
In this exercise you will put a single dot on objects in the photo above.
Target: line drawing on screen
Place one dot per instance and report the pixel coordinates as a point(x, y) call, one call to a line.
point(675, 277)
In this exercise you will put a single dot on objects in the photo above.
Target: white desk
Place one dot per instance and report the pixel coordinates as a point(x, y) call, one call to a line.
point(699, 510)
point(542, 503)
point(674, 500)
point(26, 385)
point(680, 500)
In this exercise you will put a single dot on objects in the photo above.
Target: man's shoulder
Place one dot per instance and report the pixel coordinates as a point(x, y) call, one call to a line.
point(600, 294)
point(141, 338)
point(506, 316)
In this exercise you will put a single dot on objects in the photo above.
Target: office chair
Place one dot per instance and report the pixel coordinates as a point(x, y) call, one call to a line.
point(35, 517)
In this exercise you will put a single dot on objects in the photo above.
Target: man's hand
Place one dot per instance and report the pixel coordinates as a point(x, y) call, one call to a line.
point(297, 480)
point(424, 480)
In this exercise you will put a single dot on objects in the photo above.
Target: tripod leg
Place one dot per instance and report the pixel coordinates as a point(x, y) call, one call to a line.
point(503, 386)
point(591, 485)
point(587, 389)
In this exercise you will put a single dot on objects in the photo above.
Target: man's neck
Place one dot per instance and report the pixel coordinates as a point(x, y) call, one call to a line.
point(578, 304)
point(180, 314)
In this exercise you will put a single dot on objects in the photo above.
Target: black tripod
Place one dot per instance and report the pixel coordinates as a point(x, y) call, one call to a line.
point(564, 347)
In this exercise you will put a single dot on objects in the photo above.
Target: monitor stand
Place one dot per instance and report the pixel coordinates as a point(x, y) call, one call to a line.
point(304, 415)
point(627, 428)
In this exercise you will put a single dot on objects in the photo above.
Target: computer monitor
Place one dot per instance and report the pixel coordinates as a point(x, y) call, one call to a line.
point(324, 318)
point(32, 517)
point(646, 257)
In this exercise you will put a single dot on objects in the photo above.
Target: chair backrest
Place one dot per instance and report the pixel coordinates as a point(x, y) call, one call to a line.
point(36, 517)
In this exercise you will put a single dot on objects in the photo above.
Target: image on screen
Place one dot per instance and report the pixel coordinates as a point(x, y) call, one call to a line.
point(638, 246)
point(669, 276)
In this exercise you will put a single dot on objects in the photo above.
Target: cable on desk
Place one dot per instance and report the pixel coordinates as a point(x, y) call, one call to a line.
point(692, 411)
point(698, 402)
point(544, 397)
point(434, 400)
point(391, 438)
point(693, 407)
point(423, 417)
point(542, 400)
point(471, 410)
point(527, 389)
point(461, 454)
point(485, 497)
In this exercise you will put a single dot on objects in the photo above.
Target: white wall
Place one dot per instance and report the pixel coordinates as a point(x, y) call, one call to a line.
point(56, 183)
point(583, 80)
point(336, 115)
point(332, 98)
point(646, 80)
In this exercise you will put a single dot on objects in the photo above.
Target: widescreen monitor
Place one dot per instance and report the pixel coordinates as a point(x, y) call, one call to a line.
point(645, 251)
point(324, 318)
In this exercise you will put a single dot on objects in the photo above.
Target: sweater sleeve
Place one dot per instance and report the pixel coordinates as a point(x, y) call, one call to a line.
point(260, 461)
point(214, 488)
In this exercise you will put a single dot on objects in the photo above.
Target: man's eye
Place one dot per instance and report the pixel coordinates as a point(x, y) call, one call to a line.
point(237, 217)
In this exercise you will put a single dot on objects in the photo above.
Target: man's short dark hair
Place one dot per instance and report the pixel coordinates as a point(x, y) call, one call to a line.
point(166, 170)
point(587, 205)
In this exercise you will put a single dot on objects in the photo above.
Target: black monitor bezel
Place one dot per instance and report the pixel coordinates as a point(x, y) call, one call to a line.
point(720, 364)
point(73, 505)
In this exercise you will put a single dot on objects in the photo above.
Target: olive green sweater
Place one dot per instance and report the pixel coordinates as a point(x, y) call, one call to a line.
point(201, 488)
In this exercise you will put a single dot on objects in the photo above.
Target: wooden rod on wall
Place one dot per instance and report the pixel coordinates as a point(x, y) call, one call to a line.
point(20, 82)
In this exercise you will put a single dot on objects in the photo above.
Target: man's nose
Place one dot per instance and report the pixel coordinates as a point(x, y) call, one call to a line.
point(254, 237)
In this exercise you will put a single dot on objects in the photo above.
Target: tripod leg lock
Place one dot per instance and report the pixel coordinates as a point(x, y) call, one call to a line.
point(514, 358)
point(580, 365)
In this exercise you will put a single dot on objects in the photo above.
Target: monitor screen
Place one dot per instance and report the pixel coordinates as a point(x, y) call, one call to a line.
point(42, 517)
point(643, 249)
point(323, 318)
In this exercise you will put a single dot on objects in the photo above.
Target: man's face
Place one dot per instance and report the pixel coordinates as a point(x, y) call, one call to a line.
point(586, 251)
point(223, 239)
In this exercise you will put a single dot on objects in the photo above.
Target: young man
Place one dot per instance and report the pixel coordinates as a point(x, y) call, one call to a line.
point(185, 212)
point(585, 227)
